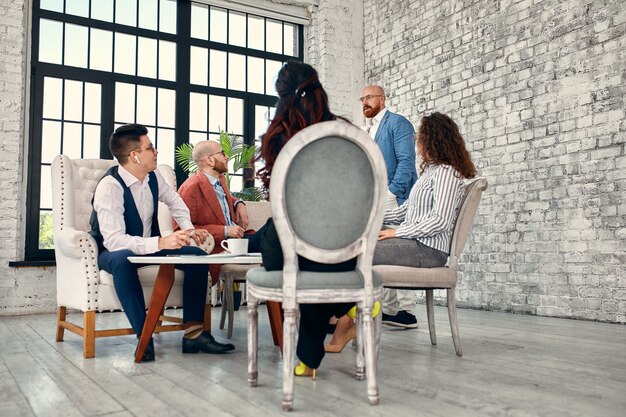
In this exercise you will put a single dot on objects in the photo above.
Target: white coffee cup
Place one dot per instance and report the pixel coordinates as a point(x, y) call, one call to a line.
point(236, 246)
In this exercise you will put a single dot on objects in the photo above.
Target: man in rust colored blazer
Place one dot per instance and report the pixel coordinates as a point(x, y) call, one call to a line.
point(210, 203)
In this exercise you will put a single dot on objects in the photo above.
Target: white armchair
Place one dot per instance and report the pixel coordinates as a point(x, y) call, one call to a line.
point(81, 285)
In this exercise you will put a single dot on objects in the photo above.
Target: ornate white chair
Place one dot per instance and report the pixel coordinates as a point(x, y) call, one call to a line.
point(81, 285)
point(327, 197)
point(428, 279)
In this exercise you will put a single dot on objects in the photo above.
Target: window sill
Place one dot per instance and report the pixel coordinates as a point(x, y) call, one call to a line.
point(32, 264)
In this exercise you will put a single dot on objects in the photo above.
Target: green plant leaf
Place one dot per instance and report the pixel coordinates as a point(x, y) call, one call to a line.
point(249, 194)
point(184, 158)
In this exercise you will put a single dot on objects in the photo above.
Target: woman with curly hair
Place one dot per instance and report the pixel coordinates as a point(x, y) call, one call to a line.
point(418, 233)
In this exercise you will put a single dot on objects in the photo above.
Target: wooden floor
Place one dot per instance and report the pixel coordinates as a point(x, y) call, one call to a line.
point(513, 365)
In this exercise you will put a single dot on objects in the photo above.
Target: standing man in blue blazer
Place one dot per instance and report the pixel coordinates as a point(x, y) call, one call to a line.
point(395, 137)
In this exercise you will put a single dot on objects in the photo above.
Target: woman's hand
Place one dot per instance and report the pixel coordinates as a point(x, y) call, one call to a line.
point(386, 234)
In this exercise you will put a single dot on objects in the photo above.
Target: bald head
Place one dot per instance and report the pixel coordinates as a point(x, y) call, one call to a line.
point(373, 100)
point(202, 150)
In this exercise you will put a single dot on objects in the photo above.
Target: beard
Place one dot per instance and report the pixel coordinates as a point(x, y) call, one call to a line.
point(221, 166)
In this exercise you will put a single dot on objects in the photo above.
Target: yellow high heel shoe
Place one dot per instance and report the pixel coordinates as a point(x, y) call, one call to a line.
point(302, 370)
point(375, 310)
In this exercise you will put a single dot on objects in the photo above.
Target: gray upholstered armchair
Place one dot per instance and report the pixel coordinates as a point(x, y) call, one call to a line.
point(81, 285)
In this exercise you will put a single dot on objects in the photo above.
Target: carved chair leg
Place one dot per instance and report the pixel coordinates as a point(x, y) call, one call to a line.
point(89, 335)
point(253, 336)
point(289, 331)
point(61, 313)
point(430, 313)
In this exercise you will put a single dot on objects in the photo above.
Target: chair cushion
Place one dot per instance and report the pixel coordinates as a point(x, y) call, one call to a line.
point(147, 276)
point(407, 277)
point(311, 280)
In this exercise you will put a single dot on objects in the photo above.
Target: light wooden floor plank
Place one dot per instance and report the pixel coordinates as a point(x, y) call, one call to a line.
point(513, 365)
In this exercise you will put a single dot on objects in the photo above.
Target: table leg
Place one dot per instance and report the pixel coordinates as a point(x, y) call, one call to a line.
point(162, 287)
point(275, 313)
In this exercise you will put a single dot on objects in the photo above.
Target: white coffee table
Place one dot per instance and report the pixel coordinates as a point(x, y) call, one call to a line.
point(165, 280)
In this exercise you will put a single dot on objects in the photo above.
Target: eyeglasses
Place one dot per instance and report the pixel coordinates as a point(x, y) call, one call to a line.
point(369, 97)
point(215, 153)
point(150, 148)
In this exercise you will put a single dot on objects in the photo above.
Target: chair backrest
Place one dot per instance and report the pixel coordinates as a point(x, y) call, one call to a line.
point(327, 194)
point(473, 192)
point(74, 182)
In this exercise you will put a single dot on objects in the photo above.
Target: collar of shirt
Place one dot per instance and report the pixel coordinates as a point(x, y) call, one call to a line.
point(212, 179)
point(129, 179)
point(377, 119)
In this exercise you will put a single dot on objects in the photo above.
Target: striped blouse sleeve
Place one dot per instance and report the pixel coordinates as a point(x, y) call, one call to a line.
point(442, 215)
point(396, 215)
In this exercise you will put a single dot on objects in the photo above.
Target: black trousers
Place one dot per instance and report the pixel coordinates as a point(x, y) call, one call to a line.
point(130, 292)
point(313, 317)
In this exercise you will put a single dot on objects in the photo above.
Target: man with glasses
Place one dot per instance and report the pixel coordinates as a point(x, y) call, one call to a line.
point(124, 223)
point(210, 203)
point(394, 135)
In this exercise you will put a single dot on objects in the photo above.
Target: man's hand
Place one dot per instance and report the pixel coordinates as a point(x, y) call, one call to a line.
point(241, 216)
point(176, 240)
point(386, 234)
point(198, 235)
point(235, 231)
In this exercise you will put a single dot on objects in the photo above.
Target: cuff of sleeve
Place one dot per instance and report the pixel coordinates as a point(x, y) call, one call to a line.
point(237, 202)
point(225, 232)
point(186, 225)
point(152, 244)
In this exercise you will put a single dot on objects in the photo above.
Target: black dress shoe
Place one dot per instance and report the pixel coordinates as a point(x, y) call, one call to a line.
point(205, 343)
point(148, 354)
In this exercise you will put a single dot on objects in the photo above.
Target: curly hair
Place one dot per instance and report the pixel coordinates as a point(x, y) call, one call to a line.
point(439, 141)
point(302, 102)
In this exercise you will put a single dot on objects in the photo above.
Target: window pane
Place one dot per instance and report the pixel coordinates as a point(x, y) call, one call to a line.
point(274, 36)
point(147, 57)
point(45, 196)
point(91, 142)
point(148, 14)
point(72, 135)
point(77, 7)
point(198, 68)
point(168, 16)
point(261, 121)
point(101, 50)
point(197, 111)
point(50, 41)
point(165, 145)
point(76, 45)
point(256, 32)
point(146, 105)
point(125, 54)
point(236, 72)
point(46, 230)
point(217, 113)
point(92, 102)
point(124, 103)
point(50, 140)
point(195, 137)
point(218, 25)
point(271, 72)
point(291, 39)
point(236, 182)
point(256, 79)
point(52, 97)
point(217, 69)
point(236, 28)
point(235, 116)
point(167, 108)
point(167, 61)
point(200, 21)
point(73, 100)
point(102, 10)
point(54, 5)
point(126, 12)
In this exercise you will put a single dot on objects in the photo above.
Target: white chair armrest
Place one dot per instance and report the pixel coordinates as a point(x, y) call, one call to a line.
point(68, 241)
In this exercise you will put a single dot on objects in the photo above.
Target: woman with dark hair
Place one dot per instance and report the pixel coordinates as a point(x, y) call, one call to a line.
point(302, 102)
point(418, 233)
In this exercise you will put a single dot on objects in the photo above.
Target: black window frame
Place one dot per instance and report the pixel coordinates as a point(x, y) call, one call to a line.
point(182, 87)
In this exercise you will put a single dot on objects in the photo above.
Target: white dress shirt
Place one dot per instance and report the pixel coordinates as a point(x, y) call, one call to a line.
point(374, 123)
point(430, 212)
point(109, 204)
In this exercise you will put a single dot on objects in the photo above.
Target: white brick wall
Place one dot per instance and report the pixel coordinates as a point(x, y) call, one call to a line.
point(537, 88)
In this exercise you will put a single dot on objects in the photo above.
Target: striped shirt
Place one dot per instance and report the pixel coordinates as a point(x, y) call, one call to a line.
point(430, 212)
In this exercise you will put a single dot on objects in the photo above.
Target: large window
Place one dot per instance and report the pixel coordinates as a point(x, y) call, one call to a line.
point(186, 70)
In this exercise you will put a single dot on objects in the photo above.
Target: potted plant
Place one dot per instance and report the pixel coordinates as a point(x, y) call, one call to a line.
point(235, 150)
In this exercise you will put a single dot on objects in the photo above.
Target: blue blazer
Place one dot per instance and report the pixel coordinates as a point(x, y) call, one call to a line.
point(395, 138)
